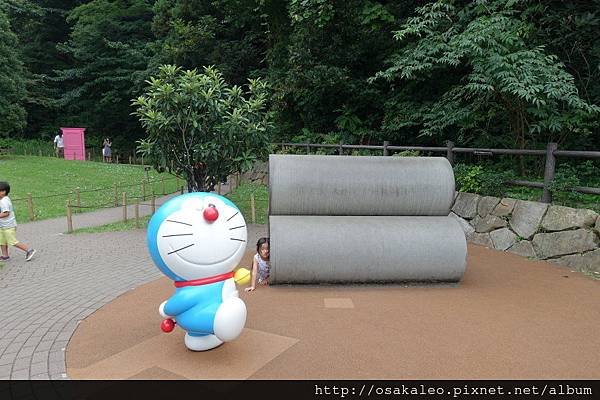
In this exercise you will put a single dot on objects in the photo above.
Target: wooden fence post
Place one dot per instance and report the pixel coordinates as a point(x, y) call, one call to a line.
point(69, 216)
point(117, 158)
point(341, 148)
point(449, 152)
point(124, 207)
point(30, 207)
point(153, 203)
point(385, 148)
point(253, 208)
point(143, 190)
point(89, 156)
point(219, 188)
point(116, 196)
point(129, 159)
point(307, 148)
point(137, 214)
point(549, 171)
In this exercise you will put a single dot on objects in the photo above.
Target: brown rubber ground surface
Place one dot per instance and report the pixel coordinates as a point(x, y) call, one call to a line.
point(510, 318)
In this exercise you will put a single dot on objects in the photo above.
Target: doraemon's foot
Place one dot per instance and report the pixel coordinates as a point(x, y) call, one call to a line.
point(230, 319)
point(202, 343)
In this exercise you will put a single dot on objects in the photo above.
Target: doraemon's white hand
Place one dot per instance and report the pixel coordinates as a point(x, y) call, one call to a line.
point(161, 310)
point(230, 319)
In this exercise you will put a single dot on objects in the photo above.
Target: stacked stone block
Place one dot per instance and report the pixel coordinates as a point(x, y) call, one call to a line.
point(560, 235)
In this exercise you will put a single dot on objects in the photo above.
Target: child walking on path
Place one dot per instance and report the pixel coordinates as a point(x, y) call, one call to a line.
point(261, 265)
point(8, 226)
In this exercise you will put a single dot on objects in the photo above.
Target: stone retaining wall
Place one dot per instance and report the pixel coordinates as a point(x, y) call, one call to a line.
point(259, 173)
point(560, 235)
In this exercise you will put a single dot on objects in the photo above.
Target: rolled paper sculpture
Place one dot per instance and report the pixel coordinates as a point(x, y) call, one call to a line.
point(352, 185)
point(366, 249)
point(196, 240)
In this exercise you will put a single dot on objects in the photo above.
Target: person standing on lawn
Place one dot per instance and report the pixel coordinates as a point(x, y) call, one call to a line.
point(59, 145)
point(8, 226)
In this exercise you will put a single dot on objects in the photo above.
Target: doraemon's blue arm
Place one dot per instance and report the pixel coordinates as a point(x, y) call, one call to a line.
point(180, 302)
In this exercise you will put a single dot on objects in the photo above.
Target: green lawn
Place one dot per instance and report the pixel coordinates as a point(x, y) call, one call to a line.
point(116, 226)
point(51, 181)
point(240, 196)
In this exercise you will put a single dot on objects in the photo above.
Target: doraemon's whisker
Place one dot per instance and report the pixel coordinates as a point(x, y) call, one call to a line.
point(183, 248)
point(179, 222)
point(233, 216)
point(239, 240)
point(180, 234)
point(237, 227)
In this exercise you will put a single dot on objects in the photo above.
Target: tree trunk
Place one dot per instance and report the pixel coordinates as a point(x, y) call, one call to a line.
point(198, 181)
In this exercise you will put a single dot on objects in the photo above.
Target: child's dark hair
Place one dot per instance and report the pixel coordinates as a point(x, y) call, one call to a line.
point(4, 186)
point(262, 241)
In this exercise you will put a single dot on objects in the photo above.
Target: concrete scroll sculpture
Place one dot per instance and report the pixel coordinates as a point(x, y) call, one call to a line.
point(363, 219)
point(196, 240)
point(334, 185)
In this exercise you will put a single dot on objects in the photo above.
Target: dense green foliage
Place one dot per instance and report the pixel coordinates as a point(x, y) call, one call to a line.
point(502, 80)
point(12, 81)
point(202, 127)
point(494, 73)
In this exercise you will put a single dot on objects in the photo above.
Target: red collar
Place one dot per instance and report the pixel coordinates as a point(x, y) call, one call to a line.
point(205, 281)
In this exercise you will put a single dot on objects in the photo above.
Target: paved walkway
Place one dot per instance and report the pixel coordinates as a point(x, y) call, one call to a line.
point(70, 277)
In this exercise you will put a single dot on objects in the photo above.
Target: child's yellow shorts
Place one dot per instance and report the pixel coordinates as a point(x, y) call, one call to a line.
point(8, 236)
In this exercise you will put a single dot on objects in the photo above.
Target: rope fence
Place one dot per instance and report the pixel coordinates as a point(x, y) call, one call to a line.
point(146, 187)
point(123, 200)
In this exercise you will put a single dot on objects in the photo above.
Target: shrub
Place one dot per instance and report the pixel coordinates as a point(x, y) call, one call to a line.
point(480, 180)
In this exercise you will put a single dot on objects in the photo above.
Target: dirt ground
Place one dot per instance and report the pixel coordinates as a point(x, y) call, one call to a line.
point(509, 318)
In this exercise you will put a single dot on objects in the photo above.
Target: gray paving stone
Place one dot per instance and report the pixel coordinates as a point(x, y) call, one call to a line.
point(40, 356)
point(21, 363)
point(8, 359)
point(38, 368)
point(26, 351)
point(56, 367)
point(56, 356)
point(44, 345)
point(40, 377)
point(5, 371)
point(13, 347)
point(20, 374)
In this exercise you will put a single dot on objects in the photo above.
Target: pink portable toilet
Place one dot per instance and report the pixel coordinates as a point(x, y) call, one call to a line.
point(74, 141)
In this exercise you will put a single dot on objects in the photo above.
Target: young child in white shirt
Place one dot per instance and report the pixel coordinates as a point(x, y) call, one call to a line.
point(8, 226)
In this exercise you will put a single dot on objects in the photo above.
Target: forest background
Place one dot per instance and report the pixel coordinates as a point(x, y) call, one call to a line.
point(484, 73)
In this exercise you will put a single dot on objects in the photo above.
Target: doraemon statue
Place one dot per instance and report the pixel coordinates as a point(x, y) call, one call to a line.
point(197, 239)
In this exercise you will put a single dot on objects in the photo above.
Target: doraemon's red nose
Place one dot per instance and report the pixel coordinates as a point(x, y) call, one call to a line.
point(210, 213)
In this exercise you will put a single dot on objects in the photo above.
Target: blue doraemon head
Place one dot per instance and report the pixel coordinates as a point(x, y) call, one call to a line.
point(196, 235)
